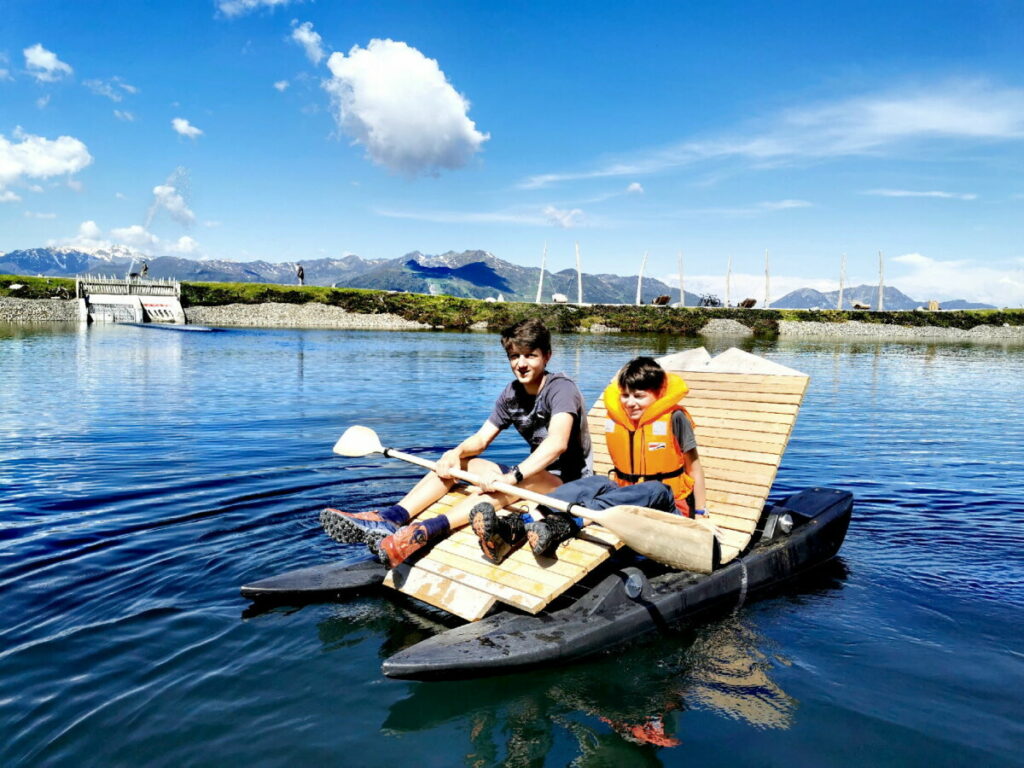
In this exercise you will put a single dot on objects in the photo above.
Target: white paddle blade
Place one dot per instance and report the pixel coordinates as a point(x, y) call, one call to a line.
point(358, 441)
point(676, 541)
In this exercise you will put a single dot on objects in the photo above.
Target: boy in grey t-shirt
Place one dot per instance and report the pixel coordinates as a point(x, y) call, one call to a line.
point(546, 409)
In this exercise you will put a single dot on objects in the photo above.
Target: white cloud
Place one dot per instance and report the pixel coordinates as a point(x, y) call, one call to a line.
point(952, 111)
point(399, 105)
point(120, 196)
point(44, 65)
point(135, 236)
point(76, 185)
point(211, 224)
point(944, 280)
point(565, 218)
point(6, 196)
point(43, 101)
point(782, 205)
point(185, 128)
point(89, 230)
point(114, 88)
point(304, 35)
point(37, 215)
point(184, 245)
point(281, 85)
point(933, 193)
point(168, 198)
point(233, 8)
point(124, 116)
point(635, 188)
point(5, 74)
point(39, 158)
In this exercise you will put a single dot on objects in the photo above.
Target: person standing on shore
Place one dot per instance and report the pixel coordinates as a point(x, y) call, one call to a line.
point(301, 274)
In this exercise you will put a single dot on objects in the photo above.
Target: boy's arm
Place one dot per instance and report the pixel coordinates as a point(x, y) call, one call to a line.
point(693, 468)
point(472, 446)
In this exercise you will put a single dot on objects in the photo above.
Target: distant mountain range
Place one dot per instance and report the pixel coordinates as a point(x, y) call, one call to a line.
point(470, 274)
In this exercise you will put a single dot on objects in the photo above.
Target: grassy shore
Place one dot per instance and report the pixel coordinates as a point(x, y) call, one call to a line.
point(455, 313)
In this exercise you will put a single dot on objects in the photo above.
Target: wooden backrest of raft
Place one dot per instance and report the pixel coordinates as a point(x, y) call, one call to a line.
point(744, 408)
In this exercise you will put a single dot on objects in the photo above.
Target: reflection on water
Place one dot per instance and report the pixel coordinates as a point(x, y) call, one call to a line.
point(146, 475)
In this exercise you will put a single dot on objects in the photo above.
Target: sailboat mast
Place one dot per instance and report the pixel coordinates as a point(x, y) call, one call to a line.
point(842, 281)
point(640, 280)
point(540, 281)
point(767, 282)
point(579, 276)
point(682, 293)
point(881, 283)
point(728, 283)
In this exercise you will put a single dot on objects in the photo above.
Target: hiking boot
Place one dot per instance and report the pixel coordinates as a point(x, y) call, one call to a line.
point(498, 535)
point(355, 527)
point(545, 535)
point(395, 549)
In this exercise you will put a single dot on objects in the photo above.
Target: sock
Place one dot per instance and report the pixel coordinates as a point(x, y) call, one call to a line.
point(396, 514)
point(437, 526)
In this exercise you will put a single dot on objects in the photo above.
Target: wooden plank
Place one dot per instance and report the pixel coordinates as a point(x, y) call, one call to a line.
point(719, 409)
point(521, 562)
point(506, 582)
point(742, 406)
point(463, 601)
point(500, 591)
point(728, 552)
point(741, 471)
point(707, 421)
point(738, 381)
point(749, 457)
point(751, 501)
point(717, 484)
point(739, 517)
point(740, 440)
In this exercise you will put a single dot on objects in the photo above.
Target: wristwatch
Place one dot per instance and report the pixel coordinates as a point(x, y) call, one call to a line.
point(517, 473)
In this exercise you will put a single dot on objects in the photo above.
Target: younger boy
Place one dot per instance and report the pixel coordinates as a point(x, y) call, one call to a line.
point(652, 446)
point(547, 409)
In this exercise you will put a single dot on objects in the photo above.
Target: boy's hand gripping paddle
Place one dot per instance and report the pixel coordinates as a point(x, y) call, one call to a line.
point(676, 541)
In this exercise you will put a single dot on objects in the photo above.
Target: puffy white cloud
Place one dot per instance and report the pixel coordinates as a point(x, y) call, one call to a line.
point(89, 230)
point(233, 8)
point(635, 189)
point(114, 88)
point(933, 193)
point(184, 245)
point(399, 105)
point(135, 236)
point(565, 218)
point(185, 128)
point(30, 156)
point(6, 196)
point(168, 198)
point(281, 85)
point(127, 117)
point(44, 65)
point(310, 40)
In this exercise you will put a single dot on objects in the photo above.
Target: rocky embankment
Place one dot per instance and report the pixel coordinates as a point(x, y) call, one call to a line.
point(854, 329)
point(316, 315)
point(14, 310)
point(310, 315)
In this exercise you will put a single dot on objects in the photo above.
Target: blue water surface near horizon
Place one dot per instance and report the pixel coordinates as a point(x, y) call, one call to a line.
point(147, 474)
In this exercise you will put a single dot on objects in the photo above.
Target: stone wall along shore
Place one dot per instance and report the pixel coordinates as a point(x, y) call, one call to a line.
point(295, 316)
point(14, 310)
point(314, 315)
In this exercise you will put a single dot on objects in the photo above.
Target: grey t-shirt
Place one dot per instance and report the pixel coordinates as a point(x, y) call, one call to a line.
point(531, 415)
point(683, 431)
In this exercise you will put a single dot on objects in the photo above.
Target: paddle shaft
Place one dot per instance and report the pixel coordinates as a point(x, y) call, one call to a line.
point(515, 490)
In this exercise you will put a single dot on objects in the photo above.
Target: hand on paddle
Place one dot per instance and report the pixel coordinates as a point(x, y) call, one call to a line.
point(449, 460)
point(488, 479)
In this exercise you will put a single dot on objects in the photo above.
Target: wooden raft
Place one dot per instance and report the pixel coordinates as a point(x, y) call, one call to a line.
point(744, 408)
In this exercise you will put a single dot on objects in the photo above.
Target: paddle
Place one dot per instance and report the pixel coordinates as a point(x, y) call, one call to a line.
point(670, 539)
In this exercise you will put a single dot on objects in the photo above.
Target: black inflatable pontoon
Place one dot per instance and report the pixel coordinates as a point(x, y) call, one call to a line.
point(805, 530)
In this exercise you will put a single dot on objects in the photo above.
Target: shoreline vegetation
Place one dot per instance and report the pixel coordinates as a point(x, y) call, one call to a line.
point(41, 299)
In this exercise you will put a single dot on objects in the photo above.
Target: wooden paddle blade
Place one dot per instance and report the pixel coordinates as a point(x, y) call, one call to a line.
point(676, 541)
point(358, 441)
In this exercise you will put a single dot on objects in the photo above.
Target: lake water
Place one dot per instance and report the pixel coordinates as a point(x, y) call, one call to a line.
point(146, 474)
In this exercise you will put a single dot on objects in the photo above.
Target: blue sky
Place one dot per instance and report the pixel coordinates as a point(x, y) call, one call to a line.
point(286, 131)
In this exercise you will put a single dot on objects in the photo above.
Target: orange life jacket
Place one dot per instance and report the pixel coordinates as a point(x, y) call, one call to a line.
point(649, 450)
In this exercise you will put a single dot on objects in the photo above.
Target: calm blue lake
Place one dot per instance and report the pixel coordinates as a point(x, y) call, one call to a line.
point(146, 474)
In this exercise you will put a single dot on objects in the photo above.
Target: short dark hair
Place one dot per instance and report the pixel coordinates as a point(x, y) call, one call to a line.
point(642, 373)
point(527, 334)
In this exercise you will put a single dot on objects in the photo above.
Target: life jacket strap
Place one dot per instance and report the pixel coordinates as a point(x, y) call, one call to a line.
point(641, 478)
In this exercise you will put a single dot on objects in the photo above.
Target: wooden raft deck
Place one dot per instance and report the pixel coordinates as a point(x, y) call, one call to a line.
point(744, 408)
